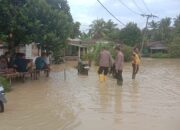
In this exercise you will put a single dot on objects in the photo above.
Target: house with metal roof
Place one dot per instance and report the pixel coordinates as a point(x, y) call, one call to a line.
point(76, 48)
point(157, 47)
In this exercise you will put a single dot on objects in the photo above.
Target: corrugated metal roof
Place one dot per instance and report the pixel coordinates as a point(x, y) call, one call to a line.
point(157, 45)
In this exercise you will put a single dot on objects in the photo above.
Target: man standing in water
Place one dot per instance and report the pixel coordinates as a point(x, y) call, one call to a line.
point(119, 60)
point(135, 62)
point(105, 61)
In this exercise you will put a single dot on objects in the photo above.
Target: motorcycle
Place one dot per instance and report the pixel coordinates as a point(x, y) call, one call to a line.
point(2, 99)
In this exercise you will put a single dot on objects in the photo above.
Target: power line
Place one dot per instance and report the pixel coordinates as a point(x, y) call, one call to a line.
point(146, 6)
point(110, 13)
point(128, 8)
point(142, 11)
point(149, 16)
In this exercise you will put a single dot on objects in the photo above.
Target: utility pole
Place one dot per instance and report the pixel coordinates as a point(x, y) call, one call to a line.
point(148, 16)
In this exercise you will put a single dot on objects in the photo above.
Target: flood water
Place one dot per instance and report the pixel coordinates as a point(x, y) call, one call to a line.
point(150, 102)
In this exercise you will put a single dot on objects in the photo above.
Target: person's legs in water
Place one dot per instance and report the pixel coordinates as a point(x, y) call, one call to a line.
point(137, 69)
point(134, 71)
point(105, 73)
point(119, 77)
point(100, 72)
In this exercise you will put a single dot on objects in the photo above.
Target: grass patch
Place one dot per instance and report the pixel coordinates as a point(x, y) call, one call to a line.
point(5, 84)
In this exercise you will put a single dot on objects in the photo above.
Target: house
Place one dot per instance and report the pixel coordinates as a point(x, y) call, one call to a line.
point(76, 48)
point(157, 47)
point(3, 49)
point(31, 51)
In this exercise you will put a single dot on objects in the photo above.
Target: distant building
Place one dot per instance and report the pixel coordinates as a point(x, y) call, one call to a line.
point(31, 51)
point(76, 48)
point(3, 48)
point(157, 47)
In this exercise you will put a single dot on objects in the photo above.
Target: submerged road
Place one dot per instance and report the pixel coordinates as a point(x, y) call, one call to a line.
point(150, 102)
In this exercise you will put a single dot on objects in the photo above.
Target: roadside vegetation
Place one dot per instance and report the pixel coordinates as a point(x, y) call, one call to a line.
point(50, 23)
point(93, 52)
point(5, 83)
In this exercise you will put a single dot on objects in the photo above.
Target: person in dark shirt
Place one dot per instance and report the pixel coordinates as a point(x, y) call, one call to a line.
point(41, 63)
point(21, 63)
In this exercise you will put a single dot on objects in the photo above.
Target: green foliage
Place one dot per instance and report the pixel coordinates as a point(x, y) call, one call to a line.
point(76, 30)
point(5, 84)
point(47, 22)
point(95, 51)
point(174, 48)
point(98, 29)
point(102, 30)
point(131, 35)
point(127, 50)
point(177, 26)
point(163, 31)
point(160, 31)
point(85, 36)
point(160, 55)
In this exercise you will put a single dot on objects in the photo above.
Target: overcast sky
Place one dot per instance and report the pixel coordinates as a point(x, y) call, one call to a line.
point(85, 11)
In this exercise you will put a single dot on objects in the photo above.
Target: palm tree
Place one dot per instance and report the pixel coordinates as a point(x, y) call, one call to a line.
point(164, 28)
point(177, 25)
point(153, 33)
point(98, 29)
point(153, 25)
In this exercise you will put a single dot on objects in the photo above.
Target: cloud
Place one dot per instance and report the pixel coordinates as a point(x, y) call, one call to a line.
point(83, 2)
point(85, 19)
point(85, 11)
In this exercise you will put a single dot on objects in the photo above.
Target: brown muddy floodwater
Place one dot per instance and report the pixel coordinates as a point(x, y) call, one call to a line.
point(151, 102)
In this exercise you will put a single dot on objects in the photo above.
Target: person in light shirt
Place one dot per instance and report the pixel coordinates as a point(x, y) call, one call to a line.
point(119, 61)
point(105, 62)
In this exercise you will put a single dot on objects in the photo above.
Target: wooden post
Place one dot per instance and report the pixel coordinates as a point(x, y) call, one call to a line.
point(79, 52)
point(64, 64)
point(64, 74)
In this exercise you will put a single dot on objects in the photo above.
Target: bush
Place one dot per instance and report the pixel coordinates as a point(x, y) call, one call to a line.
point(160, 55)
point(5, 84)
point(95, 50)
point(127, 53)
point(174, 48)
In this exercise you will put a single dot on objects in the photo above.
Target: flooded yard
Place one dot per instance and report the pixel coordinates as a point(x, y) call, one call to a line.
point(150, 102)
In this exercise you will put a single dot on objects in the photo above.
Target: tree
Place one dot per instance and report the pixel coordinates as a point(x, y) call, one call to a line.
point(76, 30)
point(12, 22)
point(174, 46)
point(131, 34)
point(177, 26)
point(37, 20)
point(101, 29)
point(85, 36)
point(111, 31)
point(165, 30)
point(153, 34)
point(98, 29)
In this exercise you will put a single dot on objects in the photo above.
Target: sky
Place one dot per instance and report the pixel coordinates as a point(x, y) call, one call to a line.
point(85, 11)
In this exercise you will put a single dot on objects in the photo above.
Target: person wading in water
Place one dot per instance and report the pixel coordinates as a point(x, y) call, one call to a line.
point(135, 62)
point(119, 60)
point(105, 61)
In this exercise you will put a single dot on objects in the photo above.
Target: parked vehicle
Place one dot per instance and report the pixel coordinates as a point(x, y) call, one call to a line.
point(2, 99)
point(83, 68)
